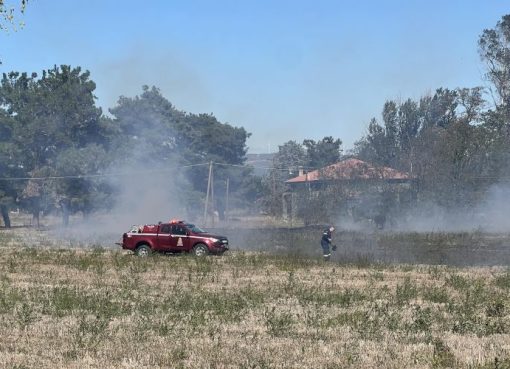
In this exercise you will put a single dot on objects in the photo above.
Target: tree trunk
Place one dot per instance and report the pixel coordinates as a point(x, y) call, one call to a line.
point(65, 212)
point(36, 211)
point(5, 215)
point(35, 218)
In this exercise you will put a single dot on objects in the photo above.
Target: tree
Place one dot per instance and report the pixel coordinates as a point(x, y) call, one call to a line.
point(7, 17)
point(80, 191)
point(291, 157)
point(206, 139)
point(494, 48)
point(471, 104)
point(8, 168)
point(50, 117)
point(291, 160)
point(439, 109)
point(146, 128)
point(287, 162)
point(375, 147)
point(322, 153)
point(391, 132)
point(152, 133)
point(439, 139)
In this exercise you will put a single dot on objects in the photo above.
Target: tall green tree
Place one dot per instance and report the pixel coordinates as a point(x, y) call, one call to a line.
point(152, 133)
point(440, 139)
point(375, 147)
point(494, 48)
point(50, 117)
point(146, 128)
point(9, 168)
point(323, 152)
point(287, 162)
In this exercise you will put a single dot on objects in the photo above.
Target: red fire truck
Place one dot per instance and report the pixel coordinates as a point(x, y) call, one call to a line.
point(173, 237)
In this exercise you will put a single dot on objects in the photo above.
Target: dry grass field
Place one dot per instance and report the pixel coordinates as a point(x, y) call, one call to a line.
point(64, 307)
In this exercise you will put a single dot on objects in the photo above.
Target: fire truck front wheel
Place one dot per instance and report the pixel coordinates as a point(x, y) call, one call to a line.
point(143, 250)
point(200, 250)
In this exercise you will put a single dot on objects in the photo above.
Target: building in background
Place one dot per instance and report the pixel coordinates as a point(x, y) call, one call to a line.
point(352, 188)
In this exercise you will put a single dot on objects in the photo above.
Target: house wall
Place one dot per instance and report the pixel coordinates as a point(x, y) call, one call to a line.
point(357, 199)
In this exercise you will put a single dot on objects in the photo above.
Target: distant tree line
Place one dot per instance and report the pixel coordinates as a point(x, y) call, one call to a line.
point(53, 135)
point(456, 142)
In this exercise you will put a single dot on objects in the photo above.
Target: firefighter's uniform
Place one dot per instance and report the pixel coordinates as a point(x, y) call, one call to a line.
point(326, 242)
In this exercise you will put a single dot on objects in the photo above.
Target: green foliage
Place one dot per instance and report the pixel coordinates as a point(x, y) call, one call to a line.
point(7, 15)
point(503, 281)
point(448, 140)
point(24, 315)
point(406, 291)
point(278, 323)
point(50, 127)
point(345, 298)
point(443, 356)
point(458, 282)
point(494, 48)
point(322, 153)
point(422, 320)
point(90, 332)
point(497, 363)
point(63, 301)
point(153, 133)
point(54, 129)
point(438, 139)
point(292, 160)
point(291, 157)
point(436, 294)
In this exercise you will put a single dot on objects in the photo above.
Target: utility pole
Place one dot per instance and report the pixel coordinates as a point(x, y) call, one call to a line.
point(226, 202)
point(273, 192)
point(207, 194)
point(212, 196)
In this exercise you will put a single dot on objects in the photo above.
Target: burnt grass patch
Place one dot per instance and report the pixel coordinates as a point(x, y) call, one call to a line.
point(365, 248)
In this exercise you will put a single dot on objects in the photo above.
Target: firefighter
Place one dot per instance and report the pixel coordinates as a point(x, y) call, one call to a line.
point(326, 242)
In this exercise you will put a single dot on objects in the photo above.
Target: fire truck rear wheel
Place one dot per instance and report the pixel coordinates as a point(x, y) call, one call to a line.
point(200, 250)
point(143, 251)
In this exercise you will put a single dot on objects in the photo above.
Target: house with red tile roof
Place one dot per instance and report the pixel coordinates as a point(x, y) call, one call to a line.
point(351, 169)
point(364, 190)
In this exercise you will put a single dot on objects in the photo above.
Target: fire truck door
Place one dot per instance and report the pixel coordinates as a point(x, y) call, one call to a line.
point(179, 237)
point(165, 239)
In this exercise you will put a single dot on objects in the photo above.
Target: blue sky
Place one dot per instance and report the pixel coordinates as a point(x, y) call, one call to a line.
point(284, 70)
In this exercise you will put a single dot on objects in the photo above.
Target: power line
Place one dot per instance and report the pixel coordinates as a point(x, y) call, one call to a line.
point(272, 168)
point(289, 169)
point(102, 175)
point(168, 169)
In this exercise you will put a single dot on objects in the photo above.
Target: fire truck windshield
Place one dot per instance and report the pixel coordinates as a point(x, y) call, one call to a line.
point(193, 228)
